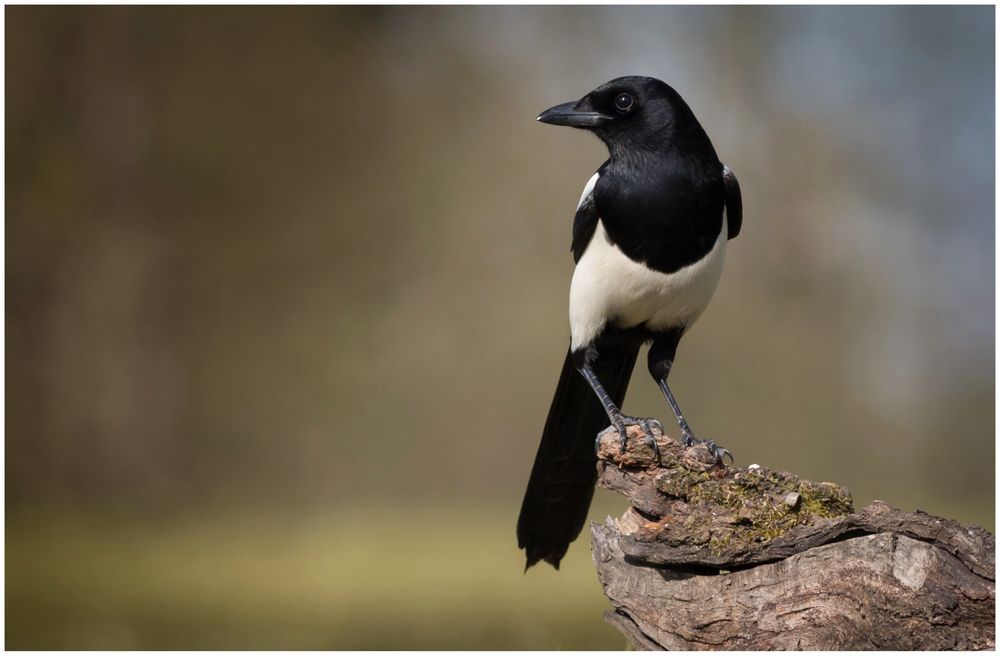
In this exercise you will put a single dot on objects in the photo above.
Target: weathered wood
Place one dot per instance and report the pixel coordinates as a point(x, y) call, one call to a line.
point(714, 557)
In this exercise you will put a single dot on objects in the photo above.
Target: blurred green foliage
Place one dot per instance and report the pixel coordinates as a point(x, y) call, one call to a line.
point(270, 271)
point(344, 579)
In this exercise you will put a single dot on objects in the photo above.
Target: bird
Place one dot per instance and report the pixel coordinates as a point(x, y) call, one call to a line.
point(648, 241)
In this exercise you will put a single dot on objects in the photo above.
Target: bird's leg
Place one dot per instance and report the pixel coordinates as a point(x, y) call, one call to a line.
point(687, 435)
point(661, 359)
point(614, 414)
point(618, 420)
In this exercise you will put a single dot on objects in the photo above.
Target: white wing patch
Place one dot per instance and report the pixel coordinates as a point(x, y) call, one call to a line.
point(588, 189)
point(608, 285)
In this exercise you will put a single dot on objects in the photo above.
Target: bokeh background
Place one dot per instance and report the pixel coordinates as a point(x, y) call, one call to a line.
point(286, 300)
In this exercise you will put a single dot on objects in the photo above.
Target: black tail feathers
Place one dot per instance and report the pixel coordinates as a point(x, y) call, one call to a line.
point(562, 479)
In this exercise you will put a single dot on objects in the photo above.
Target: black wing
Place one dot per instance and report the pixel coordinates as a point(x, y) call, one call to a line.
point(585, 222)
point(734, 203)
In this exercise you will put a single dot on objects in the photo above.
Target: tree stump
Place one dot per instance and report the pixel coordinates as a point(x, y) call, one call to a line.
point(715, 557)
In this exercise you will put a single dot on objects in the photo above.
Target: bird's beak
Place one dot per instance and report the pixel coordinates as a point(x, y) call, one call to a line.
point(570, 114)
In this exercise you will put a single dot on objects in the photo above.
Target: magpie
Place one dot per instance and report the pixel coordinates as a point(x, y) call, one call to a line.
point(649, 239)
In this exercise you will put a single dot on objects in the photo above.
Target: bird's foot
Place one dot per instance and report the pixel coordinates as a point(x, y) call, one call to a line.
point(688, 440)
point(622, 422)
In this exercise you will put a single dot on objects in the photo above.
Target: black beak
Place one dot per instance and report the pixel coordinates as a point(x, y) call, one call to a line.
point(567, 114)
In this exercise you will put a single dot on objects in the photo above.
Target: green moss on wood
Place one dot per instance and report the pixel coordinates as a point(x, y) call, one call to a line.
point(759, 505)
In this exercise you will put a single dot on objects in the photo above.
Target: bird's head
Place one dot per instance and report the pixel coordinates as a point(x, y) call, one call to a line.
point(627, 112)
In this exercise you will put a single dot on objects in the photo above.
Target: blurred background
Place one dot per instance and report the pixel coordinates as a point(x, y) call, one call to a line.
point(286, 301)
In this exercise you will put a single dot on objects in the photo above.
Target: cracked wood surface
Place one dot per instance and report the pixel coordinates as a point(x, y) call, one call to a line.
point(713, 557)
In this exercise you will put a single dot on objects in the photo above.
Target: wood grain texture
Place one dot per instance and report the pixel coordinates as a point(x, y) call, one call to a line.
point(713, 557)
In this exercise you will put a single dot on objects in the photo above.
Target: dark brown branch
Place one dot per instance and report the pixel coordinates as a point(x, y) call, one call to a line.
point(712, 557)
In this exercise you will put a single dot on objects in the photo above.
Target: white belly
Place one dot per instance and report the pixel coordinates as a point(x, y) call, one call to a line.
point(607, 285)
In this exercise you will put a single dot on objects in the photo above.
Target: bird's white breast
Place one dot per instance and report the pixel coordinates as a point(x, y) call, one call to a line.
point(609, 286)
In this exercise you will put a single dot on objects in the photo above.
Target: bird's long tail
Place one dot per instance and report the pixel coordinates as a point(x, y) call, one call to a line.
point(562, 479)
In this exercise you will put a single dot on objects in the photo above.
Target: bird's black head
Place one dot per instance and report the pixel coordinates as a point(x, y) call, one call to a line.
point(629, 112)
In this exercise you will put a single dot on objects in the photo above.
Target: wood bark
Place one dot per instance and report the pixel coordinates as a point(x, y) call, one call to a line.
point(715, 557)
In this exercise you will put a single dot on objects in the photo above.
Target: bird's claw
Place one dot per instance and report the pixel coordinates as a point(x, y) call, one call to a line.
point(647, 431)
point(718, 452)
point(622, 424)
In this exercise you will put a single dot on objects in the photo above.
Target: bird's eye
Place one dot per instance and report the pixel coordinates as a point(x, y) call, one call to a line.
point(624, 103)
